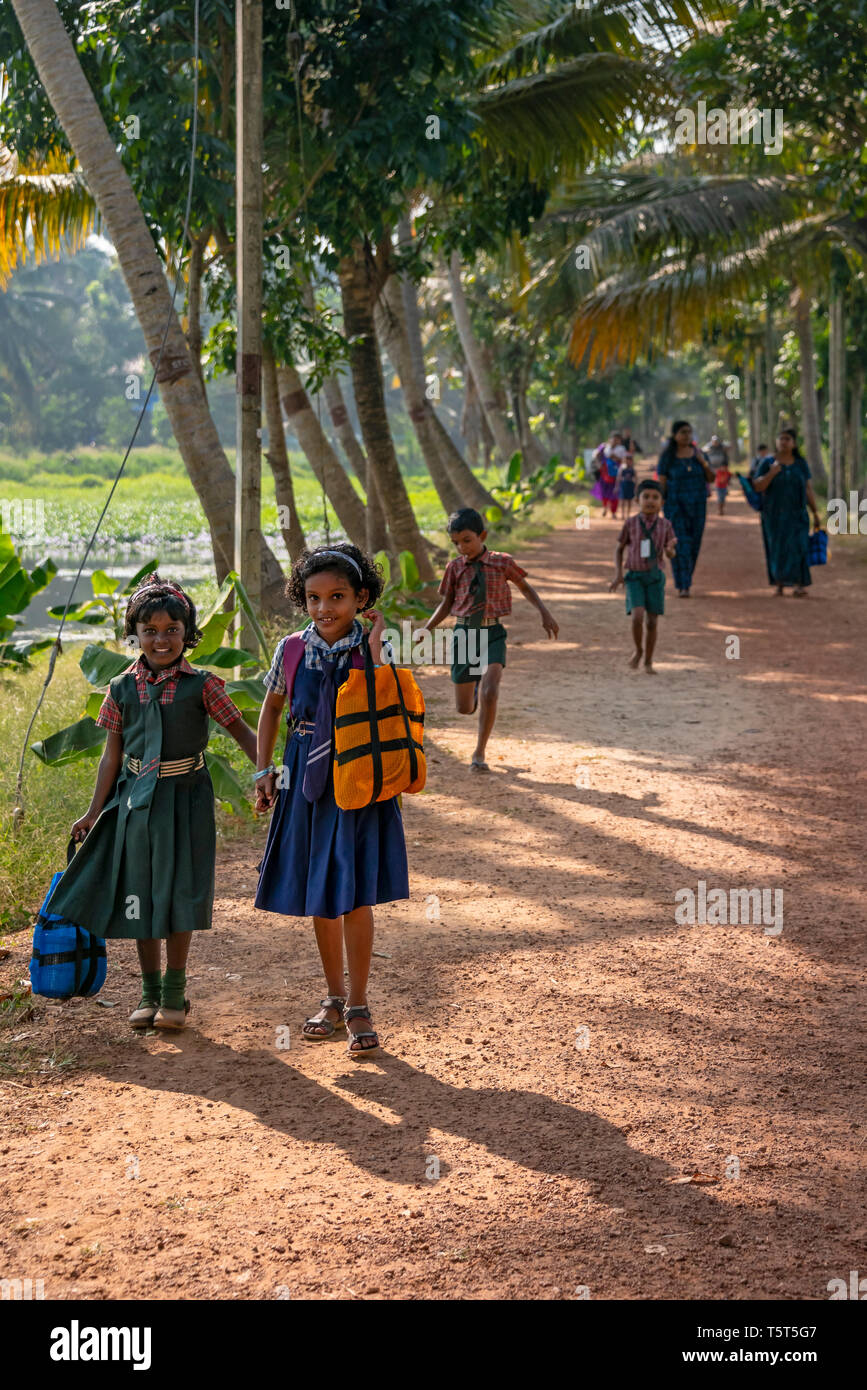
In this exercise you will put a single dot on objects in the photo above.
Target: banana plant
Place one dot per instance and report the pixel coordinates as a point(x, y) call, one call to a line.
point(17, 589)
point(400, 594)
point(517, 495)
point(108, 604)
point(99, 664)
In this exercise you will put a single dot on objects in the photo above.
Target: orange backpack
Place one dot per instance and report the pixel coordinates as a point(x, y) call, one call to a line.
point(378, 734)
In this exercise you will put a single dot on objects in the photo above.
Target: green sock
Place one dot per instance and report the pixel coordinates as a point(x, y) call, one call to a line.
point(174, 984)
point(151, 984)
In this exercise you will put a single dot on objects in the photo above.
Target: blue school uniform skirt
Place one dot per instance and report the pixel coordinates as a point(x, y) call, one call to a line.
point(320, 861)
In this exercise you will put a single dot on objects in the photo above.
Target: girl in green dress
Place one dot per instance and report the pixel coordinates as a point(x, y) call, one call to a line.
point(145, 869)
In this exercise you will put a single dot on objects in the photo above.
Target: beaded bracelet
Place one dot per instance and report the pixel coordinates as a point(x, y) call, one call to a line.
point(264, 772)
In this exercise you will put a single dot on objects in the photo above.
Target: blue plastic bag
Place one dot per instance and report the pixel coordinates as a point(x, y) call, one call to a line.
point(817, 548)
point(66, 959)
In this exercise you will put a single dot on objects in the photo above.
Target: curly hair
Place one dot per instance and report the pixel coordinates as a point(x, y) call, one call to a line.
point(157, 595)
point(365, 573)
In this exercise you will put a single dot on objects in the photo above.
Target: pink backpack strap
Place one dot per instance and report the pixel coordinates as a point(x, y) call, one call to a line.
point(293, 653)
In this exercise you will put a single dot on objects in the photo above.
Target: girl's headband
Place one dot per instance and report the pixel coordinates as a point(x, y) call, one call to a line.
point(340, 555)
point(172, 588)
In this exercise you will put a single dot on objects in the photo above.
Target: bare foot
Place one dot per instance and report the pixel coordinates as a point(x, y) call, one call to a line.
point(649, 668)
point(635, 660)
point(779, 592)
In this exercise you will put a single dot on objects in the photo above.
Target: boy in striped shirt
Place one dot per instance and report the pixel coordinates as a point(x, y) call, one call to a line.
point(645, 538)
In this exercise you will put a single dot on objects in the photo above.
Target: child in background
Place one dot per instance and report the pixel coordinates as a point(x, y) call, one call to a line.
point(722, 479)
point(626, 485)
point(146, 867)
point(321, 861)
point(646, 537)
point(475, 588)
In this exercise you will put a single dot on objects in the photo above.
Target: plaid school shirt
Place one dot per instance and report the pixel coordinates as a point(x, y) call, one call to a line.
point(661, 533)
point(500, 571)
point(222, 710)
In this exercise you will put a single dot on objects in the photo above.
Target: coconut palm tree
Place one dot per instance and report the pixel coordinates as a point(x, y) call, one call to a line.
point(77, 112)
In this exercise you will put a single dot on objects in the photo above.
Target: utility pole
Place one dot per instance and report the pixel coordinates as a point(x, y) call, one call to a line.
point(248, 251)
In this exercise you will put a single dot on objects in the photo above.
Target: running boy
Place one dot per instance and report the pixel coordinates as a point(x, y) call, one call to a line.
point(645, 537)
point(475, 589)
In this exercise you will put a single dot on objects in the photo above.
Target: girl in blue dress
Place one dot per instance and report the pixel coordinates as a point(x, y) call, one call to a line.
point(320, 861)
point(684, 473)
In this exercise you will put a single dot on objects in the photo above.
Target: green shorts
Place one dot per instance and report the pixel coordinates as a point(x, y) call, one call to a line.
point(464, 671)
point(645, 589)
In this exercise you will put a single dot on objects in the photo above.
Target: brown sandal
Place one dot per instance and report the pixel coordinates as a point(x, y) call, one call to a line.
point(361, 1011)
point(331, 1001)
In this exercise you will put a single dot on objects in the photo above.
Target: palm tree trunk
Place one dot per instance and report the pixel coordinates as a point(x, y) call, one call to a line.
point(749, 411)
point(757, 399)
point(278, 459)
point(856, 411)
point(75, 106)
point(327, 468)
point(500, 428)
point(364, 360)
point(837, 375)
point(770, 391)
point(732, 428)
point(471, 492)
point(810, 419)
point(377, 531)
point(388, 315)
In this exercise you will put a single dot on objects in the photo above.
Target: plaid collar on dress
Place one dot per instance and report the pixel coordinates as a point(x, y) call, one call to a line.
point(316, 645)
point(168, 678)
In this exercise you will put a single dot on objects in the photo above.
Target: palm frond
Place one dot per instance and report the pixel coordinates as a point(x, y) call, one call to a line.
point(51, 205)
point(609, 26)
point(632, 313)
point(566, 117)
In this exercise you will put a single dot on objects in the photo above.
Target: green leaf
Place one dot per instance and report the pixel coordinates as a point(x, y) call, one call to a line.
point(494, 514)
point(101, 584)
point(228, 788)
point(100, 665)
point(42, 575)
point(137, 578)
point(383, 560)
point(213, 633)
point(247, 694)
point(93, 704)
point(225, 656)
point(409, 574)
point(81, 740)
point(513, 470)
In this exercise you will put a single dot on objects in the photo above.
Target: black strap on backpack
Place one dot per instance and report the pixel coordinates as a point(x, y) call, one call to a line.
point(410, 741)
point(375, 742)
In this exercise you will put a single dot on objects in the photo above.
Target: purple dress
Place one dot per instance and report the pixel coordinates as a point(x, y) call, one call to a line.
point(320, 861)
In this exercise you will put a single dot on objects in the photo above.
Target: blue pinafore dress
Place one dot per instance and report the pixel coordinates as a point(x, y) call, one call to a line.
point(320, 861)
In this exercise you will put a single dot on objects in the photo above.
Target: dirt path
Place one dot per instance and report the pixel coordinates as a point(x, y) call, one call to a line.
point(543, 903)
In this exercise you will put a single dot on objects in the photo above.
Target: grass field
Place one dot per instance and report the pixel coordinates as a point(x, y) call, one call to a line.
point(155, 504)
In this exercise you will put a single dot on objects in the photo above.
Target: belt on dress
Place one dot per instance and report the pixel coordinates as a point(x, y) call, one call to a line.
point(171, 768)
point(465, 622)
point(302, 727)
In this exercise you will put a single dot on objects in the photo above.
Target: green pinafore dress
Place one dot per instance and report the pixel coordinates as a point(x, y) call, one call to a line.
point(146, 869)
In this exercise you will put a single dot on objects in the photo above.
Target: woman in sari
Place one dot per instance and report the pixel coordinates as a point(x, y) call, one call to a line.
point(784, 482)
point(684, 474)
